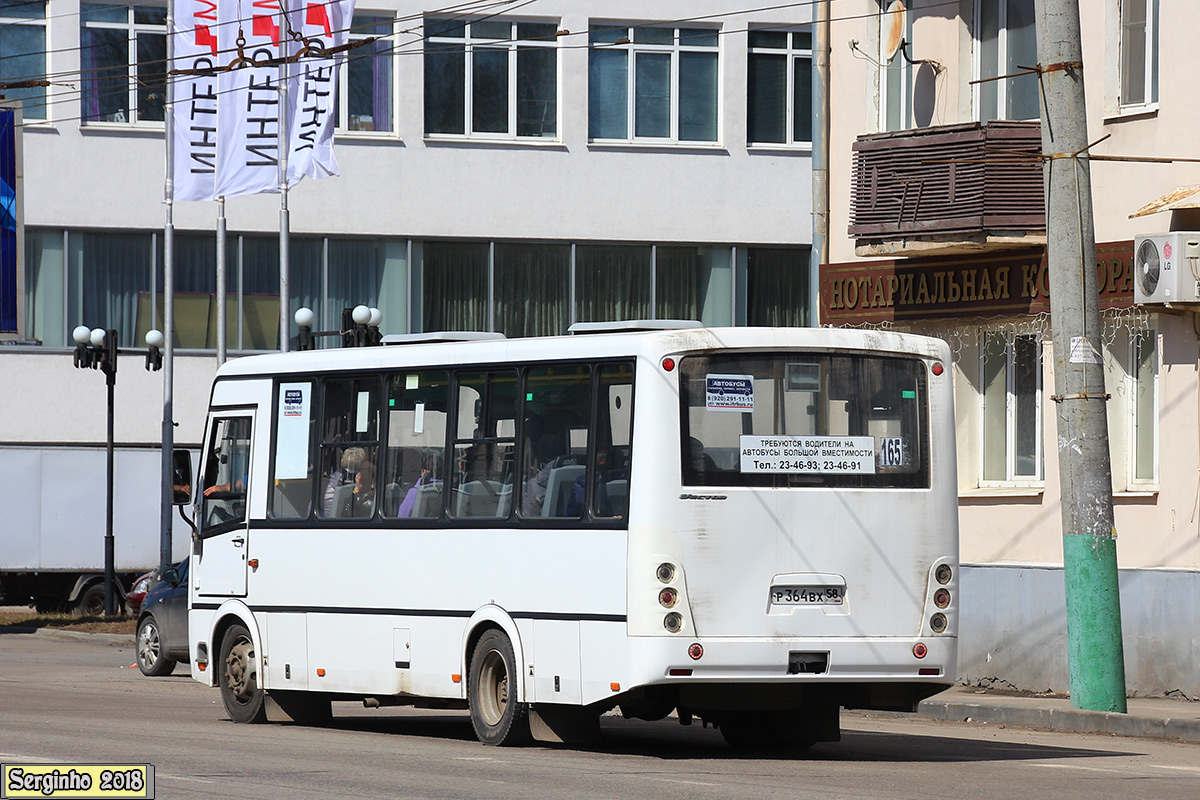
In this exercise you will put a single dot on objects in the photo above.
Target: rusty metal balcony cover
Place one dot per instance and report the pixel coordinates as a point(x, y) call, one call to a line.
point(954, 179)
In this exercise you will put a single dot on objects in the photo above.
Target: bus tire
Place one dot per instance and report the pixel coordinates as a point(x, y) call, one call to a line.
point(496, 715)
point(241, 692)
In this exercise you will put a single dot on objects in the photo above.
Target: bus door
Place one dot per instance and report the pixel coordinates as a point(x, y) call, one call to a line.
point(225, 537)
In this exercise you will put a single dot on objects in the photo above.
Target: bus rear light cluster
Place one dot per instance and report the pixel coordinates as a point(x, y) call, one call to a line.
point(920, 650)
point(941, 598)
point(937, 623)
point(696, 650)
point(943, 574)
point(668, 597)
point(673, 622)
point(666, 572)
point(937, 368)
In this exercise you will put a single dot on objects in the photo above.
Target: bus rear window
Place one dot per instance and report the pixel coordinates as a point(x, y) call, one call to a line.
point(804, 419)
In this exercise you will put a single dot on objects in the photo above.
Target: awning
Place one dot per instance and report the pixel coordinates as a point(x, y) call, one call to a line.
point(1183, 197)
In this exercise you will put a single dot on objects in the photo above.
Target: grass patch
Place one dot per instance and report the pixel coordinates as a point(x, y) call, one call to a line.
point(24, 620)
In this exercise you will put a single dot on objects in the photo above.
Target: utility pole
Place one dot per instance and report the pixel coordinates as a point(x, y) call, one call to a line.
point(1095, 653)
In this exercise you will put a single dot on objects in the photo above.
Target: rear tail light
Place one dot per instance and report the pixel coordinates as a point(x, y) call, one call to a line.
point(673, 622)
point(941, 598)
point(937, 623)
point(666, 572)
point(943, 574)
point(668, 597)
point(920, 650)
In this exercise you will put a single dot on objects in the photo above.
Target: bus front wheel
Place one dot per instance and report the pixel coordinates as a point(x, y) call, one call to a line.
point(240, 690)
point(496, 715)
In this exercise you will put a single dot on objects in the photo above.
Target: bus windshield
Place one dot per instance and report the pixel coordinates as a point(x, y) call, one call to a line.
point(804, 419)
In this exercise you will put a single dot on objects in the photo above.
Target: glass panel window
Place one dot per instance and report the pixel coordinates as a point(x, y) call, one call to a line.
point(779, 98)
point(1011, 372)
point(557, 415)
point(226, 474)
point(1139, 52)
point(123, 52)
point(533, 289)
point(671, 76)
point(295, 424)
point(484, 445)
point(349, 447)
point(1144, 412)
point(612, 282)
point(777, 287)
point(895, 72)
point(613, 432)
point(23, 54)
point(455, 286)
point(804, 419)
point(1007, 43)
point(493, 79)
point(415, 473)
point(367, 78)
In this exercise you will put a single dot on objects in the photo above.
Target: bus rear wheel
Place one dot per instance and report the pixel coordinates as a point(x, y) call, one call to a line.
point(240, 690)
point(496, 715)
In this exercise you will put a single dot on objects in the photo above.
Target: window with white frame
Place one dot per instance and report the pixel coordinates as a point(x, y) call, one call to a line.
point(1011, 382)
point(1143, 408)
point(123, 61)
point(1139, 52)
point(652, 83)
point(1006, 44)
point(779, 87)
point(895, 70)
point(491, 78)
point(23, 54)
point(366, 81)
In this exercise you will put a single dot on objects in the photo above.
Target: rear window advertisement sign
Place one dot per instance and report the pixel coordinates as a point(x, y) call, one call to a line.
point(852, 455)
point(291, 449)
point(729, 392)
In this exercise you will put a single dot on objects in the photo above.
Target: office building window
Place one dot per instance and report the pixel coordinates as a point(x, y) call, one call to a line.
point(652, 83)
point(896, 72)
point(23, 54)
point(1011, 369)
point(491, 78)
point(779, 87)
point(367, 78)
point(1139, 52)
point(1006, 42)
point(123, 58)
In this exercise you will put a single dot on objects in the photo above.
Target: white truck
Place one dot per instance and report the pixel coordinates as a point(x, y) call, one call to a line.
point(52, 523)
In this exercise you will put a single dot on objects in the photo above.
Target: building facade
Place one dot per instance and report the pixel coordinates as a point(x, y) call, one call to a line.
point(513, 169)
point(937, 225)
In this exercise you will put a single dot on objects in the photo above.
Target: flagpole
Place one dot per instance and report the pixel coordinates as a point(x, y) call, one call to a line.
point(168, 432)
point(221, 290)
point(284, 219)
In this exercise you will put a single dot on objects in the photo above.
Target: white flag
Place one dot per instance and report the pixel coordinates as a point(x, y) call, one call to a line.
point(195, 111)
point(248, 102)
point(313, 81)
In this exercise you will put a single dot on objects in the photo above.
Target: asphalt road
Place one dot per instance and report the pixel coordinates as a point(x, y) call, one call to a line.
point(78, 700)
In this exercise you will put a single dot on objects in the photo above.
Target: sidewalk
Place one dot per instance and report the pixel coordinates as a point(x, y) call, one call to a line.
point(1153, 718)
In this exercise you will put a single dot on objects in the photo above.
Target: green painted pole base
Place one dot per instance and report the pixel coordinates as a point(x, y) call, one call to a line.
point(1094, 648)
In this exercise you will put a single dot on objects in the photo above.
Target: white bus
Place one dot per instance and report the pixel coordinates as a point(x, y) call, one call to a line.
point(753, 527)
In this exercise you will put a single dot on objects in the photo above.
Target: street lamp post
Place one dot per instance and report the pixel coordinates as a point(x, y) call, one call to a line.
point(97, 348)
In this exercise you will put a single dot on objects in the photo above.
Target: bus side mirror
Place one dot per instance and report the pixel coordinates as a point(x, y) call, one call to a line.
point(181, 480)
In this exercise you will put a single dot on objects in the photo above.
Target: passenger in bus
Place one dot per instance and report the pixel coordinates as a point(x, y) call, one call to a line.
point(360, 503)
point(353, 458)
point(427, 479)
point(610, 471)
point(551, 453)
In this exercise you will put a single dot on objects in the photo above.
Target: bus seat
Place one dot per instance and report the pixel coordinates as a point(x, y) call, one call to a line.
point(478, 499)
point(341, 500)
point(558, 489)
point(429, 500)
point(618, 497)
point(291, 499)
point(391, 499)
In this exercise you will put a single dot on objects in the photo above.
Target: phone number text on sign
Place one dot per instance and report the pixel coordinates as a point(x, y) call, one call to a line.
point(806, 454)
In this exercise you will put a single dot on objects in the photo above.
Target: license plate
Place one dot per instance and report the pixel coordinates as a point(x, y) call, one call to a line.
point(807, 595)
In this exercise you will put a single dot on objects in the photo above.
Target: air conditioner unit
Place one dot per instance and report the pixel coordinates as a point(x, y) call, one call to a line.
point(1166, 268)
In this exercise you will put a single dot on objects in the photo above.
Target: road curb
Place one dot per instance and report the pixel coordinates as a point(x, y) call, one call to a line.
point(121, 638)
point(1063, 719)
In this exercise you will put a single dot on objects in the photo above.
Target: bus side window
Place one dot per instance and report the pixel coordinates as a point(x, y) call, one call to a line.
point(613, 430)
point(349, 446)
point(413, 464)
point(292, 486)
point(483, 445)
point(557, 411)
